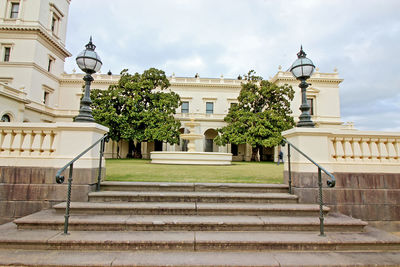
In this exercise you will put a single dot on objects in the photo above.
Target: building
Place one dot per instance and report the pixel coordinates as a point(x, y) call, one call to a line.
point(35, 88)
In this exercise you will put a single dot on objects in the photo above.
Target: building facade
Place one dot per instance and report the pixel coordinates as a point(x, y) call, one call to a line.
point(35, 88)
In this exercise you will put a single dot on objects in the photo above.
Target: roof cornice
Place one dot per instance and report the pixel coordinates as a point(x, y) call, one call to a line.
point(316, 77)
point(106, 79)
point(41, 31)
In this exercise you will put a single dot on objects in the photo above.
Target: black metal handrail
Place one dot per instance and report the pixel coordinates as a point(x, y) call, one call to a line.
point(330, 182)
point(60, 178)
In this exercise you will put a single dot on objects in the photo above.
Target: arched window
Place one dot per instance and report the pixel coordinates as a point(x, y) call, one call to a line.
point(5, 118)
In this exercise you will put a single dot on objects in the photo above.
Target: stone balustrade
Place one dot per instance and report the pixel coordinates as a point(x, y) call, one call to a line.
point(48, 144)
point(362, 147)
point(346, 150)
point(25, 141)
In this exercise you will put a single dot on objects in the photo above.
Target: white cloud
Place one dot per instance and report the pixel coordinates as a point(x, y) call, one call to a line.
point(231, 37)
point(194, 64)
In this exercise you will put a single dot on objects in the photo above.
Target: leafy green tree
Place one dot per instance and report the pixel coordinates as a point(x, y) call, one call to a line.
point(262, 113)
point(139, 108)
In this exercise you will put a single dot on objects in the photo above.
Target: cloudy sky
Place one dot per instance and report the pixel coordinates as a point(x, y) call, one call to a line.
point(361, 38)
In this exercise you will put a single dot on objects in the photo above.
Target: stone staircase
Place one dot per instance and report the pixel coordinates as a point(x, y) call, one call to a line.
point(172, 224)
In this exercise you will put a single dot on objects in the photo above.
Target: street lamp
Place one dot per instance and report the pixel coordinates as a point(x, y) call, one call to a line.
point(302, 69)
point(89, 62)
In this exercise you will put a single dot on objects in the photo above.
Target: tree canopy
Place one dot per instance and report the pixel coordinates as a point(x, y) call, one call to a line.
point(262, 113)
point(139, 108)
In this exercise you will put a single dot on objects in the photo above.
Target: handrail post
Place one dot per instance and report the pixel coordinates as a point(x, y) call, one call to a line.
point(290, 171)
point(71, 169)
point(102, 144)
point(321, 211)
point(331, 182)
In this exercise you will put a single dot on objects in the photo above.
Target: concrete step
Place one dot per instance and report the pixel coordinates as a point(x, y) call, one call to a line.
point(199, 258)
point(194, 187)
point(206, 197)
point(370, 240)
point(187, 208)
point(49, 219)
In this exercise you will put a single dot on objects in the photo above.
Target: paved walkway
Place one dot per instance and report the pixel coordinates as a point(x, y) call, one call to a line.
point(156, 258)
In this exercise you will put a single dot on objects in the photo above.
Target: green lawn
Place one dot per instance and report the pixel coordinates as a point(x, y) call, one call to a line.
point(238, 172)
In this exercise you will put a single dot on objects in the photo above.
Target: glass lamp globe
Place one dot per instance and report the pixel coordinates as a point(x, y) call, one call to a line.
point(88, 60)
point(303, 67)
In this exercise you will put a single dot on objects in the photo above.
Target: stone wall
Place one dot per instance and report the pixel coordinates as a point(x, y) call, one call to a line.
point(25, 190)
point(372, 197)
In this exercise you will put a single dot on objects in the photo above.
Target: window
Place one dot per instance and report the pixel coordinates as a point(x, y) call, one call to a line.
point(14, 10)
point(310, 102)
point(209, 107)
point(5, 118)
point(185, 107)
point(49, 66)
point(46, 96)
point(54, 24)
point(55, 19)
point(7, 52)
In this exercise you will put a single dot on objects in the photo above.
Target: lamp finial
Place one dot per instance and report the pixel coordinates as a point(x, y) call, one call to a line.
point(90, 45)
point(301, 53)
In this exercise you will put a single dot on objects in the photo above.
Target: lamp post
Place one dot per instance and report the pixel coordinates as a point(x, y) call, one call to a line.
point(89, 62)
point(302, 69)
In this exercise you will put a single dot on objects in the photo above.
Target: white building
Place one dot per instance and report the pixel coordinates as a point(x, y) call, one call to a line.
point(35, 88)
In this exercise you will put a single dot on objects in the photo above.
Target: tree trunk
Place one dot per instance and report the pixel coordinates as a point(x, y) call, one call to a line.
point(138, 151)
point(118, 156)
point(254, 154)
point(131, 149)
point(260, 152)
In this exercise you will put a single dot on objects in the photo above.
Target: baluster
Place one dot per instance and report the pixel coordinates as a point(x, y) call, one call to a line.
point(348, 151)
point(383, 154)
point(397, 148)
point(2, 136)
point(332, 150)
point(391, 150)
point(26, 144)
point(7, 142)
point(374, 149)
point(383, 150)
point(36, 143)
point(46, 144)
point(16, 144)
point(357, 149)
point(53, 142)
point(339, 149)
point(365, 149)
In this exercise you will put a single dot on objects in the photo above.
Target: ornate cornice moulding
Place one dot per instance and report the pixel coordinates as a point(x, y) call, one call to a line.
point(42, 32)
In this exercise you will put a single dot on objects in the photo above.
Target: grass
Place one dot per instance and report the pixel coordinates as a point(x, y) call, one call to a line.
point(238, 172)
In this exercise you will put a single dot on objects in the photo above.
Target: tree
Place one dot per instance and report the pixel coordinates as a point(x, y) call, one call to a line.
point(139, 108)
point(262, 113)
